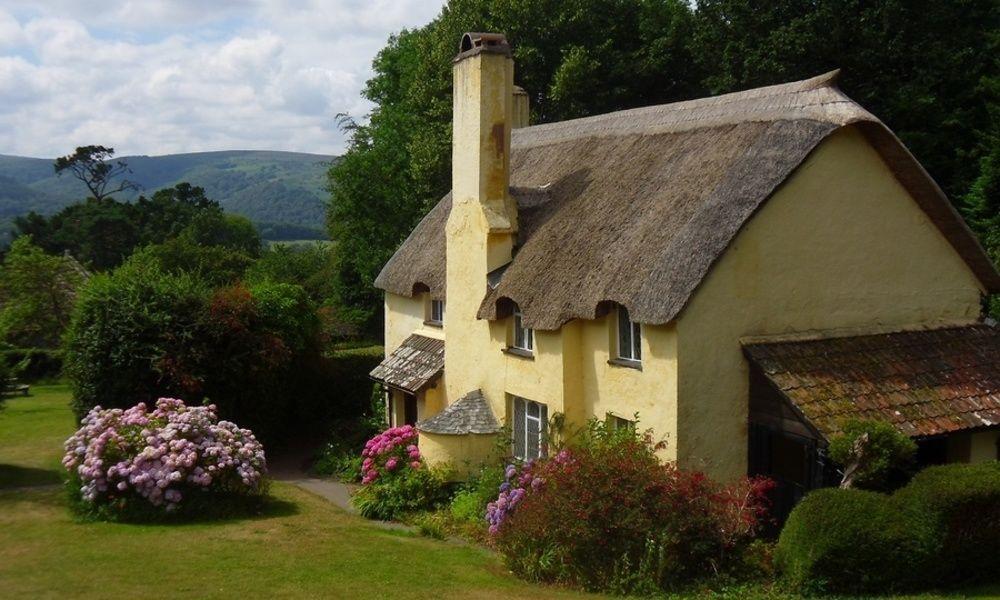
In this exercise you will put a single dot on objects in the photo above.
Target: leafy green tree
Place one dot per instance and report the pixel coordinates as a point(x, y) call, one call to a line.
point(981, 205)
point(308, 265)
point(869, 452)
point(37, 291)
point(94, 167)
point(170, 210)
point(125, 327)
point(211, 228)
point(102, 233)
point(919, 65)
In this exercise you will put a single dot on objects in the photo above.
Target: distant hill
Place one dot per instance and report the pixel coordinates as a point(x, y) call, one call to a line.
point(283, 192)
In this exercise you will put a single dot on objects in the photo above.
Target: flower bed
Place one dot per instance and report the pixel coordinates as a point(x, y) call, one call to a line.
point(395, 481)
point(606, 514)
point(164, 459)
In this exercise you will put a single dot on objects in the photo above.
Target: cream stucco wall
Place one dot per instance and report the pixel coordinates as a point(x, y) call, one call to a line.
point(840, 247)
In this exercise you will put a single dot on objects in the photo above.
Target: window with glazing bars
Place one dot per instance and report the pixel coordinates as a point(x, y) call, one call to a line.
point(530, 419)
point(629, 337)
point(524, 337)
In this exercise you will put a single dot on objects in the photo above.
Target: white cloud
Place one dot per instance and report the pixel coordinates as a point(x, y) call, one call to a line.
point(162, 76)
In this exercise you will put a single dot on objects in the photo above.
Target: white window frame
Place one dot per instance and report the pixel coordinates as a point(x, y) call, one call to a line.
point(632, 335)
point(522, 338)
point(434, 318)
point(521, 408)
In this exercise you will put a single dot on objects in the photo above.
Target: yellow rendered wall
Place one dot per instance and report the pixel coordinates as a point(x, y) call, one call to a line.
point(840, 246)
point(461, 454)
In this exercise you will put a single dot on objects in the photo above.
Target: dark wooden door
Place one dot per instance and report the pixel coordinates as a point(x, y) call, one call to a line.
point(409, 409)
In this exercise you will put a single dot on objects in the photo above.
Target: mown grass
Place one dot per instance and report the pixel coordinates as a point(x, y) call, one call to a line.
point(32, 431)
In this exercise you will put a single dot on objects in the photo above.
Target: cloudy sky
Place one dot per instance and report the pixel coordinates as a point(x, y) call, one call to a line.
point(165, 76)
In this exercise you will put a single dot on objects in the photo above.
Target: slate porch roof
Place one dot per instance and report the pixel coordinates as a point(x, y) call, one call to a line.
point(927, 382)
point(469, 414)
point(413, 366)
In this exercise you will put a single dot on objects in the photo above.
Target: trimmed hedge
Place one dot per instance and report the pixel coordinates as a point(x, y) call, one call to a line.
point(941, 529)
point(850, 541)
point(33, 364)
point(961, 503)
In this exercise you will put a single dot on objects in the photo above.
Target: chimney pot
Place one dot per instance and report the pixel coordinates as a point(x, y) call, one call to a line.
point(475, 42)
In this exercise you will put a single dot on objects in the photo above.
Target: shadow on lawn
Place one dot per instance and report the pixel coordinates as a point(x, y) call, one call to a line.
point(14, 476)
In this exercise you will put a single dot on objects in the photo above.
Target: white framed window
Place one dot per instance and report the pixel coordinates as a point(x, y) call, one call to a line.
point(523, 338)
point(629, 337)
point(530, 421)
point(436, 316)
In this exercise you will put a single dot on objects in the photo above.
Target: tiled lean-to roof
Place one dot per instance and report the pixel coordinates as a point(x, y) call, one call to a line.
point(417, 362)
point(926, 382)
point(469, 414)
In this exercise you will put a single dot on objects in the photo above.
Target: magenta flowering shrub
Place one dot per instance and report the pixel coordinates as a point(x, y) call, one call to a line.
point(392, 451)
point(516, 485)
point(163, 456)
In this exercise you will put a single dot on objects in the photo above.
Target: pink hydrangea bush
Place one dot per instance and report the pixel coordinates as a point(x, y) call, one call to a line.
point(164, 457)
point(392, 451)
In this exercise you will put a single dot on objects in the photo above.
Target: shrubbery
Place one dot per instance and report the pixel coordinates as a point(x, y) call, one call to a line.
point(140, 462)
point(255, 351)
point(871, 454)
point(33, 364)
point(606, 514)
point(395, 480)
point(961, 504)
point(842, 540)
point(941, 528)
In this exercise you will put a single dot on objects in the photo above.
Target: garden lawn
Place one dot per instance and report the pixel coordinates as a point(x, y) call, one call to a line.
point(32, 431)
point(302, 546)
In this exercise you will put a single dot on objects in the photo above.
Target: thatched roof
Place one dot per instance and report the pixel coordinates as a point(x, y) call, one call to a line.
point(925, 383)
point(634, 207)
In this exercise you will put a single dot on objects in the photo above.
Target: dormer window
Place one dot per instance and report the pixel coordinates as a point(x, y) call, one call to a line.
point(629, 338)
point(435, 314)
point(523, 338)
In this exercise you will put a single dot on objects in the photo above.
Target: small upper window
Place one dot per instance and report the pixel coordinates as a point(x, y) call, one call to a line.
point(629, 337)
point(437, 312)
point(524, 337)
point(616, 423)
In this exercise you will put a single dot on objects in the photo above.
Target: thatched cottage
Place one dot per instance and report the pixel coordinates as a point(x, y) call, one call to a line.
point(739, 273)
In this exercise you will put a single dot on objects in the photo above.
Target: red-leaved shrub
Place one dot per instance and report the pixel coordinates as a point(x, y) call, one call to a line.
point(606, 514)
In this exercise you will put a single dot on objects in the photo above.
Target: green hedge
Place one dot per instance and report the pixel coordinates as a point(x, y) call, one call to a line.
point(849, 541)
point(961, 503)
point(941, 529)
point(33, 364)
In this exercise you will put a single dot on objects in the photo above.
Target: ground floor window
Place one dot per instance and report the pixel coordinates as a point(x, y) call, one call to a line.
point(530, 419)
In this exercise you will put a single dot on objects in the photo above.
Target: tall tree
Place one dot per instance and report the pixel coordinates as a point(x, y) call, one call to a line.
point(37, 292)
point(93, 165)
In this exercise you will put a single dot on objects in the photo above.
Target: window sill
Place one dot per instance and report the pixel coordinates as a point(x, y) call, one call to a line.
point(627, 363)
point(519, 352)
point(437, 324)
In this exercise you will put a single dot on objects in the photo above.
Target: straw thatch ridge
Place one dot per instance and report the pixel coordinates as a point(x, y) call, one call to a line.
point(634, 207)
